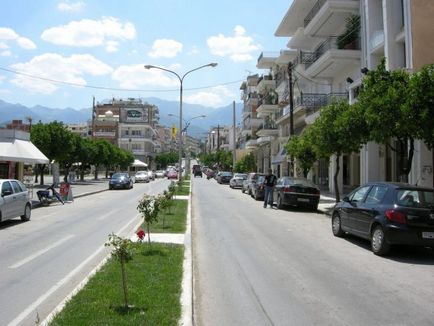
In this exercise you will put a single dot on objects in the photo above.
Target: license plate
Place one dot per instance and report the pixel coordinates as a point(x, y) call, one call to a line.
point(428, 235)
point(305, 200)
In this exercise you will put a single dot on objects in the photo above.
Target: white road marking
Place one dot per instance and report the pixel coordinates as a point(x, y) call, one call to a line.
point(23, 315)
point(41, 252)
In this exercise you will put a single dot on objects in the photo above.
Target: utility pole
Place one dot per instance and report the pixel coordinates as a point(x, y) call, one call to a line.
point(291, 113)
point(218, 138)
point(234, 155)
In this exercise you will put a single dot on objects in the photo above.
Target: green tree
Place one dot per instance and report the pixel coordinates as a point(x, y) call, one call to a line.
point(302, 148)
point(246, 164)
point(332, 134)
point(389, 117)
point(421, 100)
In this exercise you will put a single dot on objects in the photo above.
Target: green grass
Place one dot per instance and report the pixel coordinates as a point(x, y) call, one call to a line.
point(182, 191)
point(154, 288)
point(174, 222)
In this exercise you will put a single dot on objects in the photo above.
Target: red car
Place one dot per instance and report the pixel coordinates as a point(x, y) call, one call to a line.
point(172, 174)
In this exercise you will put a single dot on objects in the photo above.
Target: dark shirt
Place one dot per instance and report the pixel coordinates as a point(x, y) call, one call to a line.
point(270, 180)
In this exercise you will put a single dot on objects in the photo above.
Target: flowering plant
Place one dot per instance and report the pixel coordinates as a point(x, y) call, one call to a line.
point(149, 207)
point(140, 234)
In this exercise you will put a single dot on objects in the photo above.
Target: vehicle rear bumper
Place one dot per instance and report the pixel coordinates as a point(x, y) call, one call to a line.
point(402, 234)
point(293, 200)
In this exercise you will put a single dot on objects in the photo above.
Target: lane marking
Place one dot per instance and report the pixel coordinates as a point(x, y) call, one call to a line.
point(41, 252)
point(23, 315)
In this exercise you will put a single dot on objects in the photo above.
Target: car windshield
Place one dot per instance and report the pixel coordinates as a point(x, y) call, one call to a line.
point(226, 174)
point(300, 182)
point(260, 179)
point(240, 176)
point(415, 198)
point(142, 173)
point(119, 175)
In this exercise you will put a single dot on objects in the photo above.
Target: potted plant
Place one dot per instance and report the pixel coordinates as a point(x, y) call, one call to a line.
point(349, 39)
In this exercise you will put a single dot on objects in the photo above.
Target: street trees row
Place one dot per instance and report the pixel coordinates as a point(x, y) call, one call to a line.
point(393, 108)
point(69, 149)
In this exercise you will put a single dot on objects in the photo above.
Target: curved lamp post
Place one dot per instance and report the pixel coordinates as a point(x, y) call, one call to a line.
point(181, 80)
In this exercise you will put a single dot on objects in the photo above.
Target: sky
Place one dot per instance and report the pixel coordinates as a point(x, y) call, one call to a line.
point(63, 53)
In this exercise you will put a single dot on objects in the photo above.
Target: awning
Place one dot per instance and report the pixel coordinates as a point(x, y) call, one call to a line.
point(17, 150)
point(138, 163)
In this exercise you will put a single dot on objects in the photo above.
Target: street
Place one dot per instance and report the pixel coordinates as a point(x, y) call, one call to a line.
point(256, 266)
point(43, 260)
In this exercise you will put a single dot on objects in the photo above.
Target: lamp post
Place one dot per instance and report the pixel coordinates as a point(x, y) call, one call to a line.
point(181, 80)
point(186, 125)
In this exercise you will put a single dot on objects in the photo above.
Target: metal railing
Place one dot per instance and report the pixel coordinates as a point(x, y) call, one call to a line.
point(329, 98)
point(268, 126)
point(316, 7)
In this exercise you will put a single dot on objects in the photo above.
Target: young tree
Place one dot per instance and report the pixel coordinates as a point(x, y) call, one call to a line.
point(302, 149)
point(384, 100)
point(246, 164)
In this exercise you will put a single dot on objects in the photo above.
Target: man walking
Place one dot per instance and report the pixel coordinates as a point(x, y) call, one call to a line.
point(269, 183)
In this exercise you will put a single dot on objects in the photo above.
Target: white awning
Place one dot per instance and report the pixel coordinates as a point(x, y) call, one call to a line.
point(138, 163)
point(17, 150)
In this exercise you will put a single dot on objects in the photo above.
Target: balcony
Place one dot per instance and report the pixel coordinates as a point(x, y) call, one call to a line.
point(266, 60)
point(328, 16)
point(264, 83)
point(264, 110)
point(251, 143)
point(267, 129)
point(104, 134)
point(328, 60)
point(313, 112)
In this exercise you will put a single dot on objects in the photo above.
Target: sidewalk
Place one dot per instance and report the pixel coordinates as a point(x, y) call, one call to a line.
point(326, 203)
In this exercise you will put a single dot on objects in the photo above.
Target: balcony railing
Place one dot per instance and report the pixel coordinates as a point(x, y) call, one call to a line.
point(330, 43)
point(316, 7)
point(329, 98)
point(267, 126)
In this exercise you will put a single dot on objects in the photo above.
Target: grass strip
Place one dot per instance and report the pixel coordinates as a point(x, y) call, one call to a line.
point(174, 219)
point(154, 279)
point(182, 191)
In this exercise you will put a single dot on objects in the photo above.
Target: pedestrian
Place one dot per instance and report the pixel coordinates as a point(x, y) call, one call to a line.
point(269, 183)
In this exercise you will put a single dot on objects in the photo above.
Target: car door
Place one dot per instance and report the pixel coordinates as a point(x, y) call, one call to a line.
point(7, 194)
point(368, 209)
point(354, 207)
point(278, 188)
point(20, 198)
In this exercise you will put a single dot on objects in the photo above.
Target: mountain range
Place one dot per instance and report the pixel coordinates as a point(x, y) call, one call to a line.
point(214, 116)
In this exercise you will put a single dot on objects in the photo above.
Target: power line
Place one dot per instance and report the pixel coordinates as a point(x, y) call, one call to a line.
point(111, 88)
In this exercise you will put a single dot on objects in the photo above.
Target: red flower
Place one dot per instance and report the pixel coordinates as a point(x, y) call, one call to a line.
point(140, 234)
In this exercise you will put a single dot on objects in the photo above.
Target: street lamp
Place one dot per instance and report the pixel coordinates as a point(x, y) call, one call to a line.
point(181, 80)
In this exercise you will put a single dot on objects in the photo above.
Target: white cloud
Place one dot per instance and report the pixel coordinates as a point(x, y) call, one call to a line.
point(90, 33)
point(215, 97)
point(25, 43)
point(54, 66)
point(165, 48)
point(237, 47)
point(194, 50)
point(2, 78)
point(5, 53)
point(112, 46)
point(136, 76)
point(70, 6)
point(8, 34)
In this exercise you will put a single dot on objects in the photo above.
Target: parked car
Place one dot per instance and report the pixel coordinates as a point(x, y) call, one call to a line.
point(14, 200)
point(224, 177)
point(291, 191)
point(141, 176)
point(172, 174)
point(160, 174)
point(210, 174)
point(387, 213)
point(237, 180)
point(120, 180)
point(258, 190)
point(197, 170)
point(248, 183)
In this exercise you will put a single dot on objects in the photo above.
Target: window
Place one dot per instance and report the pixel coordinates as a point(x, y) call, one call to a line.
point(359, 194)
point(376, 195)
point(415, 198)
point(16, 187)
point(6, 186)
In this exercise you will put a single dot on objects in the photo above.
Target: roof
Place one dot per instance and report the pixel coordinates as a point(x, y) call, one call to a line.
point(18, 150)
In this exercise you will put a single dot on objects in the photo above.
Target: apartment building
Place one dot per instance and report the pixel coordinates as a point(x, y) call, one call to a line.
point(219, 139)
point(129, 124)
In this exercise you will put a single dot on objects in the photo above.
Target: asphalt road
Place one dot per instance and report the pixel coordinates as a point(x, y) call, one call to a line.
point(256, 266)
point(43, 260)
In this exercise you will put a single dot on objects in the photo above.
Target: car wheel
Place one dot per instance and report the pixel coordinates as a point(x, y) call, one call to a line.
point(27, 213)
point(379, 243)
point(336, 225)
point(279, 203)
point(242, 190)
point(256, 196)
point(314, 207)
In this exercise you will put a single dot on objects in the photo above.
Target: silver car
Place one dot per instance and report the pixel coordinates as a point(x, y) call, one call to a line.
point(237, 180)
point(141, 176)
point(14, 200)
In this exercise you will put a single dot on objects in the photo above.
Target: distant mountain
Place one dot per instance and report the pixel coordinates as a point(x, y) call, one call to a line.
point(214, 116)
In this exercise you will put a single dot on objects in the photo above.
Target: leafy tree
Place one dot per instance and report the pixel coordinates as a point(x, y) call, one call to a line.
point(246, 164)
point(389, 117)
point(149, 208)
point(302, 149)
point(100, 154)
point(52, 139)
point(421, 99)
point(332, 134)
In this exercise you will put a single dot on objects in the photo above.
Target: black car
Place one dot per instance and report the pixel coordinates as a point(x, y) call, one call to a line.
point(250, 181)
point(291, 191)
point(257, 188)
point(120, 180)
point(387, 213)
point(197, 170)
point(224, 177)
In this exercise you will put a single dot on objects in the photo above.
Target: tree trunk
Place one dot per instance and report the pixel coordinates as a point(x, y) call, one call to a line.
point(41, 171)
point(335, 179)
point(124, 282)
point(96, 172)
point(410, 157)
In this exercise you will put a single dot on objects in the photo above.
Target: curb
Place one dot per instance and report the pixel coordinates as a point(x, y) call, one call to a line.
point(37, 204)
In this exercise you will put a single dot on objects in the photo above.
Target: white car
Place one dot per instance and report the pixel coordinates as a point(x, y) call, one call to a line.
point(14, 200)
point(141, 176)
point(237, 180)
point(160, 174)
